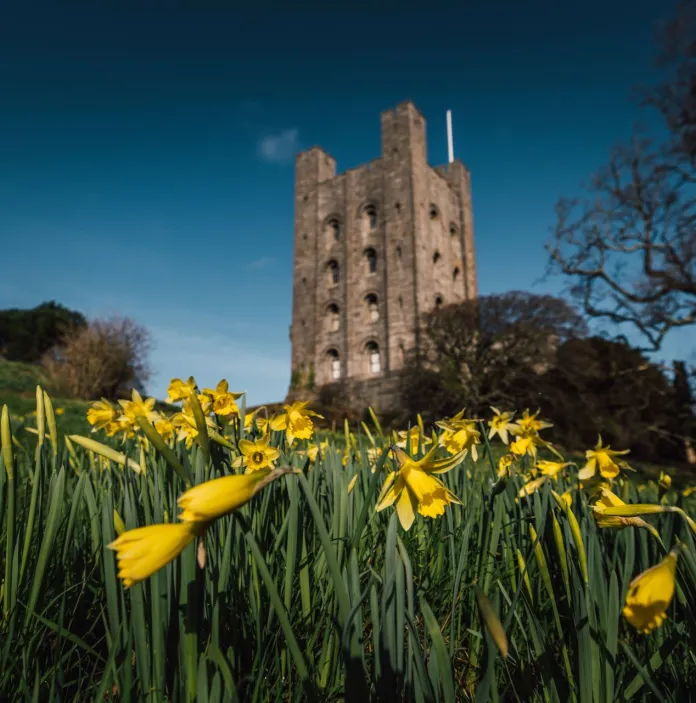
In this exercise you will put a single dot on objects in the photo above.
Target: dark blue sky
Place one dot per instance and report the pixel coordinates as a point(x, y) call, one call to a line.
point(146, 148)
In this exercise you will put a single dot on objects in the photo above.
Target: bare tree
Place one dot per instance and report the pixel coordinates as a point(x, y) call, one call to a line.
point(629, 247)
point(105, 359)
point(487, 351)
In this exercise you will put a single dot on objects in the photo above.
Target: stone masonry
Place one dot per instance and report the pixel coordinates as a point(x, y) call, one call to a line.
point(375, 248)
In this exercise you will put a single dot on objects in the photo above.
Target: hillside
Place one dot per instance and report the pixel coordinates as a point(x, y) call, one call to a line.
point(18, 383)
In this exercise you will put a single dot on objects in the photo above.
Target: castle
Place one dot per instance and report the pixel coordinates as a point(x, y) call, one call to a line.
point(375, 248)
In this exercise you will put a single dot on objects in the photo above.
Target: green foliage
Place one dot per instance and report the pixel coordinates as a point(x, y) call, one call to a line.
point(598, 386)
point(295, 379)
point(308, 594)
point(26, 335)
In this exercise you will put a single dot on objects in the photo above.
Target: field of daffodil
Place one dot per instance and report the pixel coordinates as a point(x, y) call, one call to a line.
point(217, 554)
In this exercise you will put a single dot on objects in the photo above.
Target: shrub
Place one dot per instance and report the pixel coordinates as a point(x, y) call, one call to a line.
point(106, 359)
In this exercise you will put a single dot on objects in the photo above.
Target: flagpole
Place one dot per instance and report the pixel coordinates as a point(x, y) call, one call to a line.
point(450, 144)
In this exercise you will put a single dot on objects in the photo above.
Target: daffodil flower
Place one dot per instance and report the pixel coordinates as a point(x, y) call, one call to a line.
point(412, 438)
point(607, 499)
point(257, 455)
point(460, 435)
point(180, 390)
point(100, 414)
point(650, 594)
point(603, 459)
point(500, 424)
point(213, 499)
point(224, 402)
point(413, 487)
point(143, 551)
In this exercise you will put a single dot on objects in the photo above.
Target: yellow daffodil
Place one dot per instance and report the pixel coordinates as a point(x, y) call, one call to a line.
point(552, 468)
point(100, 414)
point(412, 438)
point(59, 411)
point(224, 402)
point(143, 551)
point(688, 491)
point(528, 442)
point(296, 421)
point(650, 594)
point(180, 390)
point(532, 486)
point(529, 423)
point(500, 424)
point(257, 455)
point(165, 427)
point(608, 499)
point(137, 407)
point(413, 487)
point(603, 459)
point(504, 464)
point(213, 499)
point(460, 435)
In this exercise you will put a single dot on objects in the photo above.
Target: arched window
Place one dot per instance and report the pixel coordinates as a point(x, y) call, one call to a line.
point(370, 215)
point(372, 307)
point(333, 272)
point(398, 252)
point(402, 352)
point(334, 364)
point(438, 301)
point(334, 317)
point(433, 212)
point(436, 256)
point(373, 357)
point(453, 229)
point(371, 256)
point(455, 274)
point(333, 229)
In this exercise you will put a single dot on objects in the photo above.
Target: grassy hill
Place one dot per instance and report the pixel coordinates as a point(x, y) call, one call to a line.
point(18, 383)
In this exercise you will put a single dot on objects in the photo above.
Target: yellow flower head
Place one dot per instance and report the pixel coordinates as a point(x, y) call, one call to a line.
point(500, 424)
point(527, 442)
point(224, 403)
point(664, 484)
point(138, 407)
point(551, 468)
point(165, 427)
point(101, 414)
point(257, 455)
point(532, 486)
point(504, 464)
point(213, 499)
point(180, 390)
point(460, 435)
point(59, 411)
point(529, 423)
point(412, 438)
point(413, 487)
point(650, 594)
point(145, 550)
point(296, 422)
point(604, 459)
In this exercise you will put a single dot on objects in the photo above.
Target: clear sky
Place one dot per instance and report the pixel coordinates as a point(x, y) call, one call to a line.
point(146, 149)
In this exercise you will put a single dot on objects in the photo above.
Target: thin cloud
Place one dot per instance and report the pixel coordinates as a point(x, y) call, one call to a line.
point(281, 147)
point(262, 263)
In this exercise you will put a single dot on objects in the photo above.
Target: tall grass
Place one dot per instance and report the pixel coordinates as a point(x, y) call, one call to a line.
point(308, 594)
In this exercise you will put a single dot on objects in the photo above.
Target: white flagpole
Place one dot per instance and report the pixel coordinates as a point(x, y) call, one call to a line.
point(450, 144)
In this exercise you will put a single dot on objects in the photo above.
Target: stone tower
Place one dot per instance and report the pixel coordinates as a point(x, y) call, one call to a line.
point(375, 248)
